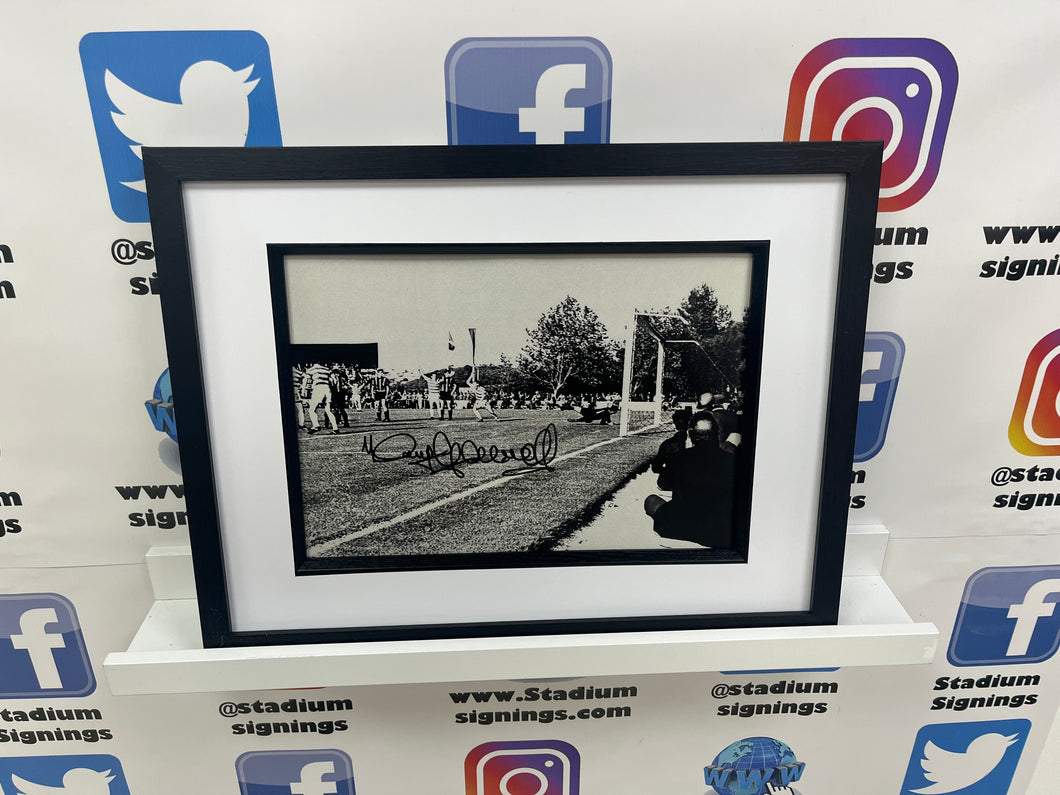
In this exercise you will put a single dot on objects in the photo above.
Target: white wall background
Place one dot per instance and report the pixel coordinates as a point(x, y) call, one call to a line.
point(81, 353)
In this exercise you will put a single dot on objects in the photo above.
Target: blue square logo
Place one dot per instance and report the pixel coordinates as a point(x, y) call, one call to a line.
point(880, 366)
point(174, 88)
point(98, 774)
point(327, 772)
point(1007, 616)
point(977, 758)
point(42, 651)
point(528, 91)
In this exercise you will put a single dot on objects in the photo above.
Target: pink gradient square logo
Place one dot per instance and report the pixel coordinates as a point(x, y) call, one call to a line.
point(1035, 426)
point(522, 767)
point(899, 91)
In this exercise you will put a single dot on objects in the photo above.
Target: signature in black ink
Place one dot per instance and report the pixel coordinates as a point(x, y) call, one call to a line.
point(443, 455)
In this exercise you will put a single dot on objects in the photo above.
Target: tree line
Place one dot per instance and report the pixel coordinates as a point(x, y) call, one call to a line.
point(570, 352)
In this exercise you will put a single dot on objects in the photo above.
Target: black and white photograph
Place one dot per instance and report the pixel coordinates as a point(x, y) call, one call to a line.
point(539, 404)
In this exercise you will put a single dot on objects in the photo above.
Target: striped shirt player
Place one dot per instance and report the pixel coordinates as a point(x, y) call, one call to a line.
point(319, 378)
point(447, 391)
point(379, 385)
point(434, 395)
point(300, 393)
point(480, 399)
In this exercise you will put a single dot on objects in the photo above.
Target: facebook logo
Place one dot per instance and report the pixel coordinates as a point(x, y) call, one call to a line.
point(528, 91)
point(327, 772)
point(880, 365)
point(95, 774)
point(1007, 616)
point(174, 88)
point(42, 651)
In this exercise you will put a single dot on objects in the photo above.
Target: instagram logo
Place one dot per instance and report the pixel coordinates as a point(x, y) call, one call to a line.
point(899, 91)
point(1035, 426)
point(525, 767)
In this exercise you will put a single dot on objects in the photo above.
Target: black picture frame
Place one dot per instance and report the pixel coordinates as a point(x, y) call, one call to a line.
point(170, 172)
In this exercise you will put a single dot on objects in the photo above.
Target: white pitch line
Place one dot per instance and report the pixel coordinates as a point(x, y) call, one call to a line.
point(329, 546)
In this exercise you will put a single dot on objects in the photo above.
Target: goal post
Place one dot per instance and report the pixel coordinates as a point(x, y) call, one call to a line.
point(637, 413)
point(663, 363)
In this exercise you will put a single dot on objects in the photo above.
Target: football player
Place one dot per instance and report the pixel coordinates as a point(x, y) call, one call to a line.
point(480, 399)
point(447, 392)
point(379, 385)
point(319, 377)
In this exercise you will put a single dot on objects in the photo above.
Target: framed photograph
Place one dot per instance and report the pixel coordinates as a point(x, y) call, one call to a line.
point(468, 391)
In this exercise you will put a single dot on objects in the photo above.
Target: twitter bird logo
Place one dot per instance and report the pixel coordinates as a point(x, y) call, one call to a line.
point(977, 758)
point(213, 111)
point(79, 781)
point(951, 771)
point(174, 88)
point(90, 774)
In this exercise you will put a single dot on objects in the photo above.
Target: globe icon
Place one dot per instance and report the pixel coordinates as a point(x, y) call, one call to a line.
point(752, 753)
point(160, 407)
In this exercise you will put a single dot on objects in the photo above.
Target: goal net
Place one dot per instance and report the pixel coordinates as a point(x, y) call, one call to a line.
point(664, 369)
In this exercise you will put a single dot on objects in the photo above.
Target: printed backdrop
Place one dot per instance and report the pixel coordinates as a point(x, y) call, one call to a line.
point(958, 436)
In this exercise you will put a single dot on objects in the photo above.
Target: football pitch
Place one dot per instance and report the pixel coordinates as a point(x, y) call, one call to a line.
point(420, 486)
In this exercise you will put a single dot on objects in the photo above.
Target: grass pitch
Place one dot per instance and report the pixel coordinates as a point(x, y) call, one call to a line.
point(357, 506)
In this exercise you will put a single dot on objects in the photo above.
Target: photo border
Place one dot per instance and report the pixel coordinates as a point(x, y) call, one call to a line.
point(170, 170)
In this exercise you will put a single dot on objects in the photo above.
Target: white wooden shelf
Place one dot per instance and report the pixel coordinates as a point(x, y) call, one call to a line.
point(167, 656)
